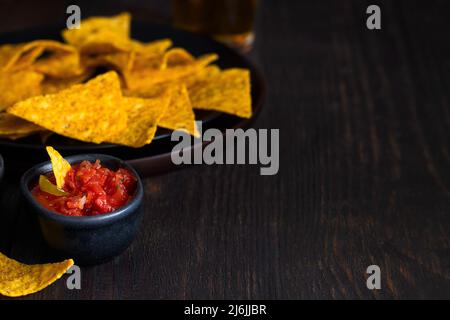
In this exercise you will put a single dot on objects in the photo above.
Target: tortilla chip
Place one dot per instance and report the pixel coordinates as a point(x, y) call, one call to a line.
point(60, 65)
point(11, 56)
point(140, 55)
point(151, 48)
point(143, 118)
point(158, 58)
point(18, 279)
point(19, 56)
point(60, 166)
point(202, 75)
point(227, 91)
point(178, 57)
point(53, 85)
point(19, 85)
point(101, 34)
point(86, 112)
point(13, 127)
point(175, 65)
point(50, 46)
point(119, 61)
point(147, 52)
point(179, 114)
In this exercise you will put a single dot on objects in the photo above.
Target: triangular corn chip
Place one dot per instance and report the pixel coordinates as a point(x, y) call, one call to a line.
point(60, 166)
point(18, 279)
point(86, 112)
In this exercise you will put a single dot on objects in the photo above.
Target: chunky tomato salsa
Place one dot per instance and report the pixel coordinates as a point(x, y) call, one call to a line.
point(89, 189)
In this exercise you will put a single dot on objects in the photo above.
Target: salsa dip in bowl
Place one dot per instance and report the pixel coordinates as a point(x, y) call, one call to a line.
point(97, 214)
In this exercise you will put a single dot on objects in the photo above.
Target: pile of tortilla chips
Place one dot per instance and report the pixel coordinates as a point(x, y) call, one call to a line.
point(57, 87)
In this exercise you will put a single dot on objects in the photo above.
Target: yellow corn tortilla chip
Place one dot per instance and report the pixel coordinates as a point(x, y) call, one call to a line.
point(143, 118)
point(149, 55)
point(177, 57)
point(155, 56)
point(60, 65)
point(50, 46)
point(202, 75)
point(53, 85)
point(101, 34)
point(227, 91)
point(12, 57)
point(60, 166)
point(179, 114)
point(119, 61)
point(13, 127)
point(141, 55)
point(151, 48)
point(174, 58)
point(18, 279)
point(19, 56)
point(150, 91)
point(174, 66)
point(86, 112)
point(18, 85)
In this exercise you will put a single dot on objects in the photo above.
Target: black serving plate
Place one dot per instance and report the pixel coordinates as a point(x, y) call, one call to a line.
point(20, 154)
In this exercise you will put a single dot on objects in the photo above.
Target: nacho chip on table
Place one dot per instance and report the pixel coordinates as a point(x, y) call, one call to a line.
point(101, 34)
point(18, 85)
point(60, 166)
point(18, 279)
point(228, 91)
point(87, 112)
point(143, 118)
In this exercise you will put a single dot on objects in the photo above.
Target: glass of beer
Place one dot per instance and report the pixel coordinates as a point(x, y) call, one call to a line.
point(229, 21)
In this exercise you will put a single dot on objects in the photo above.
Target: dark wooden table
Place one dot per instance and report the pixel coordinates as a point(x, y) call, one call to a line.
point(364, 172)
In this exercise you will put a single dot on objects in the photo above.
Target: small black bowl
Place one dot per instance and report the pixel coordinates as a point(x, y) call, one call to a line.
point(88, 240)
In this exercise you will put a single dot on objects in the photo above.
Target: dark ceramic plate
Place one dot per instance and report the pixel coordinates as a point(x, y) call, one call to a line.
point(154, 157)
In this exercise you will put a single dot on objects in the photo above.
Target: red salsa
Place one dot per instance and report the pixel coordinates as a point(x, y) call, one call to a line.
point(91, 189)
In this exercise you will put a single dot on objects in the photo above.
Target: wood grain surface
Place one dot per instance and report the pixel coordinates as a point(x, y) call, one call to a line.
point(364, 171)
